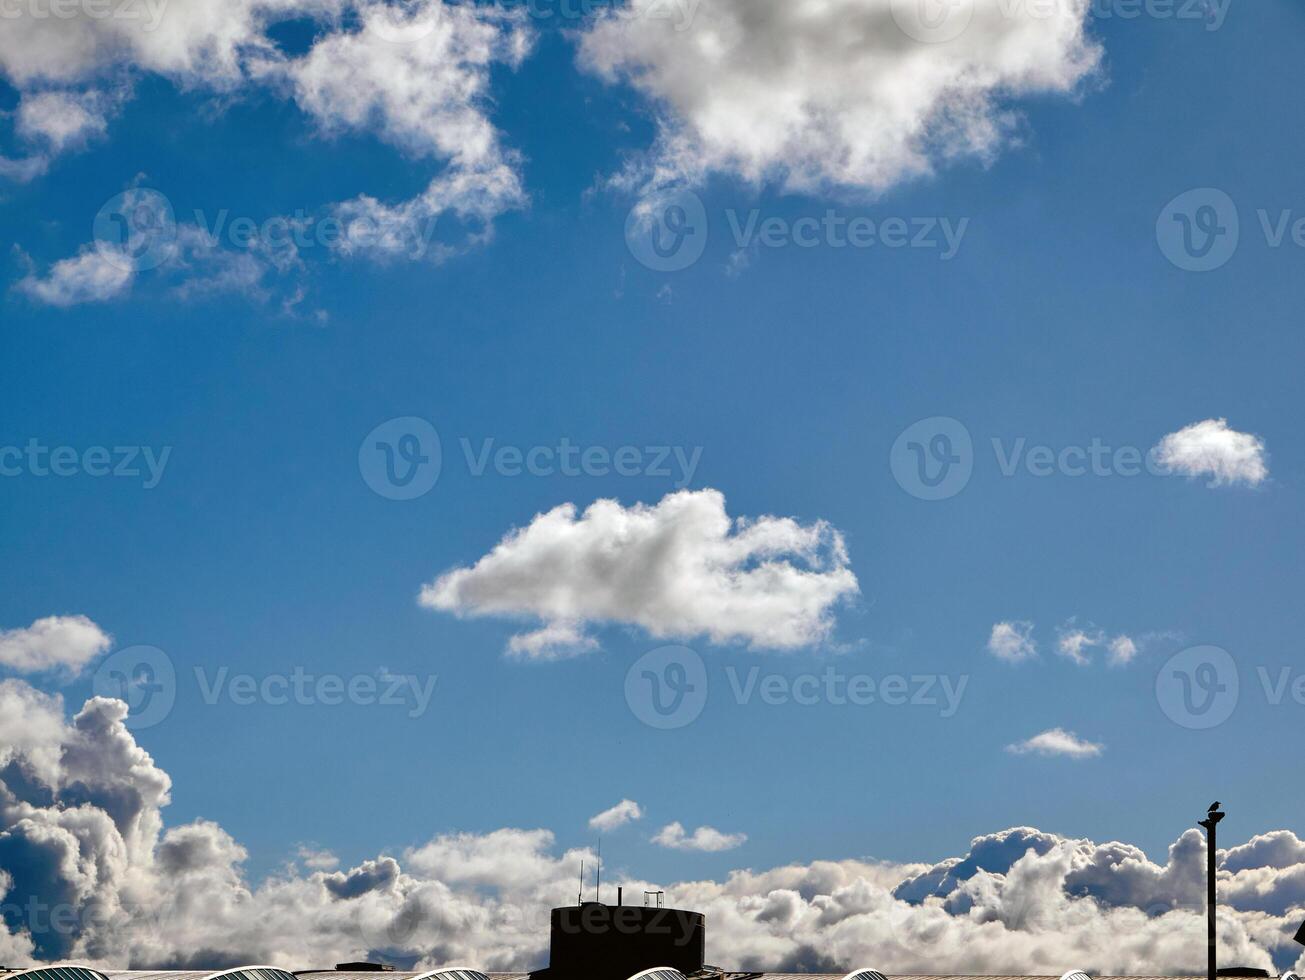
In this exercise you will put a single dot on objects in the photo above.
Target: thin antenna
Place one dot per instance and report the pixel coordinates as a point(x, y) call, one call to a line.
point(598, 885)
point(580, 895)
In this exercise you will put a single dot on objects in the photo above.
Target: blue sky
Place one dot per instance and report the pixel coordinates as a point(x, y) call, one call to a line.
point(1059, 320)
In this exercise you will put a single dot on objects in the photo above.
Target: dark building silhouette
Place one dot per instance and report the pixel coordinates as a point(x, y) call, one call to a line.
point(613, 942)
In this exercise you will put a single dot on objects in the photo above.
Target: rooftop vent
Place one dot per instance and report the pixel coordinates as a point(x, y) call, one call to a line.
point(364, 967)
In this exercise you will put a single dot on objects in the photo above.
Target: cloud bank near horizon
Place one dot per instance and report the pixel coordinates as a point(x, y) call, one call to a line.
point(82, 831)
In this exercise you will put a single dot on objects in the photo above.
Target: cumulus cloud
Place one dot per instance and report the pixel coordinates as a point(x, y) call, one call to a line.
point(817, 95)
point(96, 274)
point(1012, 641)
point(1123, 650)
point(82, 832)
point(679, 568)
point(1212, 449)
point(1057, 741)
point(415, 75)
point(706, 839)
point(66, 643)
point(617, 816)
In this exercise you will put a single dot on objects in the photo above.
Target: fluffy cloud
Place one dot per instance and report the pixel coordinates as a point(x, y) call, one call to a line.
point(679, 568)
point(1123, 650)
point(1012, 641)
point(82, 832)
point(96, 274)
point(618, 816)
point(66, 643)
point(819, 94)
point(1212, 449)
point(706, 839)
point(1057, 741)
point(415, 75)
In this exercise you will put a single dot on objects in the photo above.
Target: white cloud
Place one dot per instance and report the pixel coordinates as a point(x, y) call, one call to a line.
point(1012, 641)
point(82, 828)
point(679, 568)
point(96, 274)
point(415, 75)
point(820, 94)
point(426, 96)
point(1123, 650)
point(186, 255)
point(66, 643)
point(1211, 448)
point(618, 816)
point(61, 119)
point(1073, 642)
point(1057, 741)
point(317, 859)
point(706, 839)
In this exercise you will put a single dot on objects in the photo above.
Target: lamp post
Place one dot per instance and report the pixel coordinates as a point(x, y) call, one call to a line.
point(1211, 821)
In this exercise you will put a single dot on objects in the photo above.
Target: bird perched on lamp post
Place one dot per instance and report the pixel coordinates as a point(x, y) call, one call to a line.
point(1212, 818)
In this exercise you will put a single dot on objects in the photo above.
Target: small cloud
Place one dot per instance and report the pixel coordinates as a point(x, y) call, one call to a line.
point(1073, 642)
point(1211, 448)
point(1012, 641)
point(618, 816)
point(317, 860)
point(1123, 650)
point(96, 274)
point(66, 643)
point(1057, 742)
point(706, 839)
